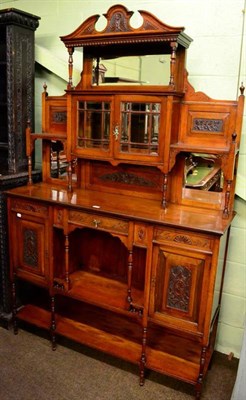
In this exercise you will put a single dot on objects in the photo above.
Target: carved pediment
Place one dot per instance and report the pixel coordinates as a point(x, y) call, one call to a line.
point(118, 25)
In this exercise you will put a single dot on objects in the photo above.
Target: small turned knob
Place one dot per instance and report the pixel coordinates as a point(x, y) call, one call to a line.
point(96, 223)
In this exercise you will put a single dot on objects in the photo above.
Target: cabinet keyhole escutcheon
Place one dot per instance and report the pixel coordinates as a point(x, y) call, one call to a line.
point(116, 131)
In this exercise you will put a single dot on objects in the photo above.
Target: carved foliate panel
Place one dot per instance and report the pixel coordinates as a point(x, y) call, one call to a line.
point(128, 179)
point(56, 118)
point(179, 288)
point(59, 117)
point(32, 255)
point(96, 221)
point(182, 238)
point(207, 125)
point(30, 207)
point(30, 248)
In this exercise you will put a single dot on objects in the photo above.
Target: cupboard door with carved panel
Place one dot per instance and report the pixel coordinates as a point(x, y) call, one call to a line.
point(179, 286)
point(30, 232)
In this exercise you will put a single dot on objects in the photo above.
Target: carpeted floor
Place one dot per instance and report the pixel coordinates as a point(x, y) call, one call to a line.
point(29, 370)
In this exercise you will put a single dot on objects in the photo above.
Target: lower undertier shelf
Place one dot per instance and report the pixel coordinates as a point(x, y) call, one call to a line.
point(121, 336)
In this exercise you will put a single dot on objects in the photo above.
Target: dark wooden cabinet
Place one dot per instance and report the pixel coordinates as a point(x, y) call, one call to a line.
point(17, 29)
point(122, 247)
point(17, 86)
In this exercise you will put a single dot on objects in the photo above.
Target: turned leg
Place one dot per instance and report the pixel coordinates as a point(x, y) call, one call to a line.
point(129, 278)
point(198, 387)
point(143, 358)
point(53, 324)
point(14, 308)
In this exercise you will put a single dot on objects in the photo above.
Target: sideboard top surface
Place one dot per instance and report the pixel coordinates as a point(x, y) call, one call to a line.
point(123, 206)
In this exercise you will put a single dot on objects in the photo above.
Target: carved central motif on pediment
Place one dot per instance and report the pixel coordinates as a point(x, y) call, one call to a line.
point(118, 23)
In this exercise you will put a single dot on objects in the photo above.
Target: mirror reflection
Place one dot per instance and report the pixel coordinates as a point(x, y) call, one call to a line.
point(140, 70)
point(93, 124)
point(203, 172)
point(140, 124)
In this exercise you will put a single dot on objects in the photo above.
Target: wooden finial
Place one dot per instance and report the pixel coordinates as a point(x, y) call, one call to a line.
point(242, 88)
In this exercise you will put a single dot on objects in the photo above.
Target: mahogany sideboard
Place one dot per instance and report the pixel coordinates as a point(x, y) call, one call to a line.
point(125, 251)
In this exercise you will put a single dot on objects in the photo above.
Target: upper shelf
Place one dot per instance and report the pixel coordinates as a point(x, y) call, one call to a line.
point(120, 39)
point(119, 33)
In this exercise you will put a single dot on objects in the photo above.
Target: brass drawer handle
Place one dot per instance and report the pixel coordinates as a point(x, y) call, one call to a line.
point(96, 222)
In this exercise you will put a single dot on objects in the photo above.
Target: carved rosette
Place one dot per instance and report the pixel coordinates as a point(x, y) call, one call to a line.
point(182, 238)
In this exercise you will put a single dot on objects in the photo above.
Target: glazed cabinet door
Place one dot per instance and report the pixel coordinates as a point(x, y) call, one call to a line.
point(119, 127)
point(179, 287)
point(139, 124)
point(92, 126)
point(30, 232)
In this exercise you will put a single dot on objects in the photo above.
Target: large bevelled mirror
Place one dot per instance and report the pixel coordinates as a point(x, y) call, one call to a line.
point(151, 69)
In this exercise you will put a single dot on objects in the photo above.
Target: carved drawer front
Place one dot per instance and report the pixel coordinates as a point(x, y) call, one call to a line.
point(98, 221)
point(29, 207)
point(182, 238)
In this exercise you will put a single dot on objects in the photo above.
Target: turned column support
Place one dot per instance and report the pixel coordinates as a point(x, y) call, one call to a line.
point(70, 68)
point(129, 283)
point(29, 150)
point(201, 374)
point(53, 323)
point(14, 308)
point(164, 195)
point(174, 46)
point(143, 357)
